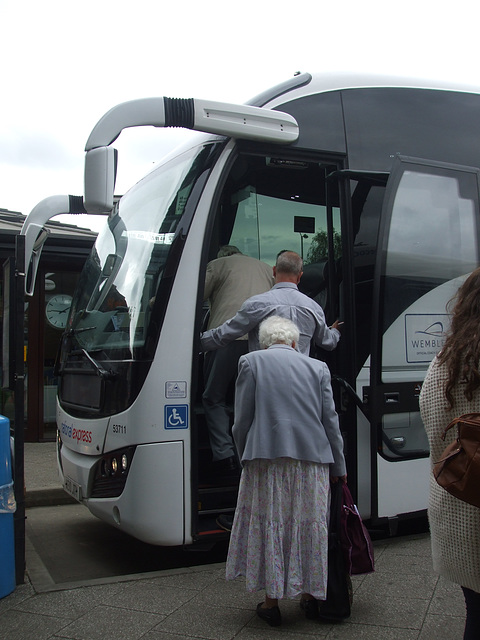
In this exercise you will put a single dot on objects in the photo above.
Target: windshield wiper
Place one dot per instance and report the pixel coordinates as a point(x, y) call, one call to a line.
point(103, 373)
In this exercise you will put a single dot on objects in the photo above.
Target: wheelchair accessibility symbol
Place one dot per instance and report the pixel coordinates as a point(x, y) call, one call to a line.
point(176, 416)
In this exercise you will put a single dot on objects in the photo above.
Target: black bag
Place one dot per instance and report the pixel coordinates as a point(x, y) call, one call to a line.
point(339, 600)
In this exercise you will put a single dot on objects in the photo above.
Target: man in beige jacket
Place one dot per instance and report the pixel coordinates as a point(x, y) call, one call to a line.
point(230, 280)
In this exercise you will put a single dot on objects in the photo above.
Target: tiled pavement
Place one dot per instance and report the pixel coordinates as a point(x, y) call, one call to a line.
point(402, 600)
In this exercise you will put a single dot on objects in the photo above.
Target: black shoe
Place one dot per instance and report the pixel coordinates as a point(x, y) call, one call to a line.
point(272, 616)
point(226, 465)
point(226, 470)
point(310, 607)
point(225, 522)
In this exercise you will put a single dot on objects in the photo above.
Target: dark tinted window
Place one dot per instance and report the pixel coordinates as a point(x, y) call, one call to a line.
point(431, 124)
point(321, 121)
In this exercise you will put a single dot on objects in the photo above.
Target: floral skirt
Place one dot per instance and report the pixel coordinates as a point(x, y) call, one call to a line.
point(279, 538)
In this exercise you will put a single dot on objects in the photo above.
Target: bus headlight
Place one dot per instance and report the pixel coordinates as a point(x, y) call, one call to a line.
point(111, 473)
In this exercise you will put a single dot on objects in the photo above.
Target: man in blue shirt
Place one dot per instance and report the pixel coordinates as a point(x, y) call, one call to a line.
point(285, 300)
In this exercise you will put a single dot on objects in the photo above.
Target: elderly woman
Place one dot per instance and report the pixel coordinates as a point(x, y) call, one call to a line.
point(288, 439)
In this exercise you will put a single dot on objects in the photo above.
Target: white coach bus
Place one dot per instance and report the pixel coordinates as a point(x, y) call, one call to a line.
point(374, 180)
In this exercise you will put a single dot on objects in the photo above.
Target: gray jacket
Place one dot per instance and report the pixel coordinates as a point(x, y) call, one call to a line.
point(284, 408)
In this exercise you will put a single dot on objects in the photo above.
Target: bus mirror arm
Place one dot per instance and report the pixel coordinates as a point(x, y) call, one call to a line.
point(237, 121)
point(234, 120)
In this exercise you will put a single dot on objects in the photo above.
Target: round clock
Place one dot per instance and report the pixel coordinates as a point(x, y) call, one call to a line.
point(57, 310)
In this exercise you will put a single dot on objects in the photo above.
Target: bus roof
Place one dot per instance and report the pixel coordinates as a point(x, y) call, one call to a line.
point(306, 84)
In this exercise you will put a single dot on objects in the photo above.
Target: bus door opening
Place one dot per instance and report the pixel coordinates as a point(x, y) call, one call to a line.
point(268, 204)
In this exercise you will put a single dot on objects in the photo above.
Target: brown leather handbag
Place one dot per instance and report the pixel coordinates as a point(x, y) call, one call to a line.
point(458, 470)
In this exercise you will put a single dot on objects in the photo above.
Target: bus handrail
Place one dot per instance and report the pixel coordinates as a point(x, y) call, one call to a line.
point(352, 393)
point(412, 454)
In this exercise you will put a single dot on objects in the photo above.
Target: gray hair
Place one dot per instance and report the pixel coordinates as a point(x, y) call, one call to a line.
point(289, 262)
point(276, 330)
point(227, 250)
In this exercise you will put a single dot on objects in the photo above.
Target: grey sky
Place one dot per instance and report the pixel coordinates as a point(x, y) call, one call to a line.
point(64, 64)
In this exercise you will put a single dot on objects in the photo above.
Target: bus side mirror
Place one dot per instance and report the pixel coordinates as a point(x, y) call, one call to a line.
point(33, 250)
point(100, 175)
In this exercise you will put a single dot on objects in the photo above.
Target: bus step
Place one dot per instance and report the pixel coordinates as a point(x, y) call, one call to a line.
point(208, 528)
point(212, 489)
point(216, 512)
point(216, 500)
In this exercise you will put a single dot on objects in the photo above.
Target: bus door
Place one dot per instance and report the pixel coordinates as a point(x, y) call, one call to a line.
point(427, 245)
point(350, 285)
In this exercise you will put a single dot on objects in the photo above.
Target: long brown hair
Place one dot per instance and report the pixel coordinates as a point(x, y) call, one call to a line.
point(461, 352)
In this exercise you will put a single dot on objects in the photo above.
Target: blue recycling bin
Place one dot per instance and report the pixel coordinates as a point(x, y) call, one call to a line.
point(7, 508)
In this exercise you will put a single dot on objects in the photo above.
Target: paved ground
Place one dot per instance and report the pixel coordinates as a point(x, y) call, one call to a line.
point(402, 600)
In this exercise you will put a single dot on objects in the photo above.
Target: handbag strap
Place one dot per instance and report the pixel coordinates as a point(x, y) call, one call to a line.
point(443, 435)
point(336, 500)
point(472, 419)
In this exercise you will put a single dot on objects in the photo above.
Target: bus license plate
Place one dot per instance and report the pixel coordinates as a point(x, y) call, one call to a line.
point(73, 489)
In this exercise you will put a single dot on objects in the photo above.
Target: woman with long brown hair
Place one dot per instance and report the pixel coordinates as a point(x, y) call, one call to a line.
point(452, 388)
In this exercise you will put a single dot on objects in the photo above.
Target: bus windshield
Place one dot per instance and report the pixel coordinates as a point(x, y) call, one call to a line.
point(120, 281)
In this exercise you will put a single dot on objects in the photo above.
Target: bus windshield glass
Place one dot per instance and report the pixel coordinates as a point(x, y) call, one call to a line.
point(118, 288)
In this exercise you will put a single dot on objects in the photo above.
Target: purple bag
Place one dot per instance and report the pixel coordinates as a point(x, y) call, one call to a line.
point(356, 543)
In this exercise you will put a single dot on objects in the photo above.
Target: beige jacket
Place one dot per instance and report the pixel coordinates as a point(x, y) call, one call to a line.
point(230, 281)
point(454, 525)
